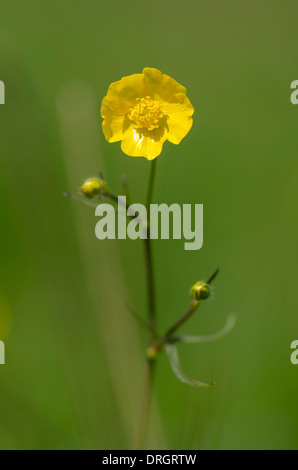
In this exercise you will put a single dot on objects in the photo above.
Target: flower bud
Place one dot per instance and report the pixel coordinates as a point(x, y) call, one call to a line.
point(152, 352)
point(92, 187)
point(200, 291)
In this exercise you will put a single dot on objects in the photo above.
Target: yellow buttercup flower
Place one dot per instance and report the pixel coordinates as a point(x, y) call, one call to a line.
point(144, 110)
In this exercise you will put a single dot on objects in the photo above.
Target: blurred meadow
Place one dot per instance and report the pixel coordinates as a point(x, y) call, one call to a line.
point(75, 356)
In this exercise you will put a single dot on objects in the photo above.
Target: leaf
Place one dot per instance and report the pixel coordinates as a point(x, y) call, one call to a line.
point(208, 339)
point(172, 352)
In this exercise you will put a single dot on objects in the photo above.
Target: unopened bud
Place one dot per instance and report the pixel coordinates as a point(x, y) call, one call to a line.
point(152, 352)
point(92, 187)
point(200, 291)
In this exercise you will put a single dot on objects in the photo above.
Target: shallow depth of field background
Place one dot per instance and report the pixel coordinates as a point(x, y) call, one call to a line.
point(75, 360)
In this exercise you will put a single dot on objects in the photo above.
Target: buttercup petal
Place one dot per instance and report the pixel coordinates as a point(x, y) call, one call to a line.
point(179, 111)
point(115, 127)
point(161, 85)
point(142, 143)
point(123, 94)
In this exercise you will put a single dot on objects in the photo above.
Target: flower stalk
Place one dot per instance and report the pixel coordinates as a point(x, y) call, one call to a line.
point(148, 253)
point(142, 424)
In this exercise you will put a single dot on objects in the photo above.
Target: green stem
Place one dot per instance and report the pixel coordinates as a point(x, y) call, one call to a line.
point(143, 421)
point(150, 288)
point(143, 418)
point(150, 186)
point(148, 254)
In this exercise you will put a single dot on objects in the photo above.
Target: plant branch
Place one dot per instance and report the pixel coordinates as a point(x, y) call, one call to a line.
point(194, 306)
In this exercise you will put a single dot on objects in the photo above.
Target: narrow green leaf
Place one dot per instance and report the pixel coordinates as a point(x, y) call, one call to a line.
point(174, 362)
point(210, 338)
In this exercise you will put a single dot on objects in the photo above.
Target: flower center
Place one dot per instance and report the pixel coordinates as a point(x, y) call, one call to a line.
point(146, 113)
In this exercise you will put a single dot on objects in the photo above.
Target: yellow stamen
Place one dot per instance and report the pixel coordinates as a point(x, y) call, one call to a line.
point(146, 113)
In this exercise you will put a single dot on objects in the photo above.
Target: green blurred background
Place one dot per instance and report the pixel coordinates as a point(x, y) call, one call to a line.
point(75, 357)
